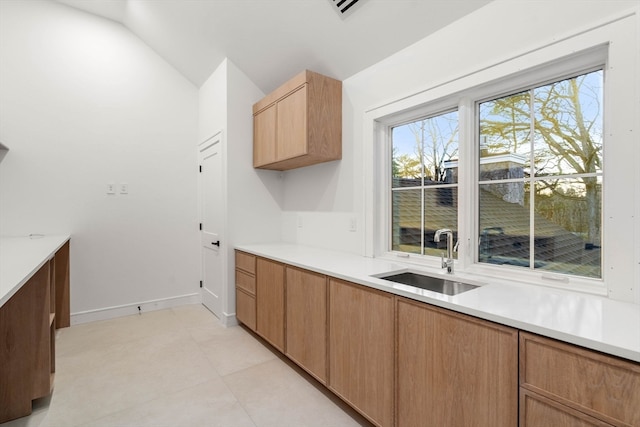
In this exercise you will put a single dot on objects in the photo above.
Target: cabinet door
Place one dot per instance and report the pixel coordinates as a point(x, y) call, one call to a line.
point(292, 125)
point(361, 357)
point(454, 369)
point(264, 137)
point(270, 302)
point(307, 321)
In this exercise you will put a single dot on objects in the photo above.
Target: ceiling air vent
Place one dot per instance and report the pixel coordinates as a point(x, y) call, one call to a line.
point(344, 7)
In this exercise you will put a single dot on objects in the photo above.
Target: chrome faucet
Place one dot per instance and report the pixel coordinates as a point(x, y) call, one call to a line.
point(448, 264)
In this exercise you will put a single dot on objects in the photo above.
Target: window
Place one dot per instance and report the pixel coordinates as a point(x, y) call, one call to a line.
point(537, 183)
point(546, 168)
point(424, 182)
point(540, 177)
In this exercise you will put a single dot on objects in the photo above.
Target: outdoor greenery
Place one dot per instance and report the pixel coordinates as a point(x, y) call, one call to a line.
point(555, 133)
point(560, 126)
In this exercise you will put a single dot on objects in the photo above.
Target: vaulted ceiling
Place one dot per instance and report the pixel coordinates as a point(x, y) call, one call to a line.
point(272, 40)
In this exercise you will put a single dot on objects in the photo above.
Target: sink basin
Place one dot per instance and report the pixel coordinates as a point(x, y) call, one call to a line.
point(435, 284)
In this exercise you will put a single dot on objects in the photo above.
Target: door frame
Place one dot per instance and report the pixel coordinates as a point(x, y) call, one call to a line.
point(216, 137)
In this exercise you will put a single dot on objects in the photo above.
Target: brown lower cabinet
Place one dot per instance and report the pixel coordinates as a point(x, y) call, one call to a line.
point(453, 369)
point(404, 363)
point(361, 342)
point(560, 381)
point(28, 321)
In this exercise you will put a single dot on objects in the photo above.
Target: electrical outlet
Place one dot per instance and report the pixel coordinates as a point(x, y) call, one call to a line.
point(124, 188)
point(353, 224)
point(111, 188)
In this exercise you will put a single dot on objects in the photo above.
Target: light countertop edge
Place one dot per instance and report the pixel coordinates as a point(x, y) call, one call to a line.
point(586, 320)
point(21, 257)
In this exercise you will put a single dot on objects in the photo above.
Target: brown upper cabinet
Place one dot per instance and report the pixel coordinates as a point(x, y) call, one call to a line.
point(299, 124)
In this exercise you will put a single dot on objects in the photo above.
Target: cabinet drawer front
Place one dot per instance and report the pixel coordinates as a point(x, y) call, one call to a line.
point(603, 386)
point(246, 262)
point(246, 282)
point(537, 411)
point(246, 309)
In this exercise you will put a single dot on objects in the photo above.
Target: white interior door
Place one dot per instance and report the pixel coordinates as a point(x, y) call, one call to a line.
point(212, 222)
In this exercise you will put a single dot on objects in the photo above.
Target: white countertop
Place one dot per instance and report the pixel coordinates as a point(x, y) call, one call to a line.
point(586, 320)
point(21, 257)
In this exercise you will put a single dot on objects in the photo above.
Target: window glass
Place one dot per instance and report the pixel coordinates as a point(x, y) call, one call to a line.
point(540, 173)
point(504, 226)
point(424, 182)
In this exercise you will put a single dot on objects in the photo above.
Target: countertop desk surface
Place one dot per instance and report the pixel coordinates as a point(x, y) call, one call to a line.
point(21, 257)
point(590, 321)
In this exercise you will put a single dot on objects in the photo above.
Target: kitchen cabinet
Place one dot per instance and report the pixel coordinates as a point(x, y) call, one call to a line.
point(402, 362)
point(306, 321)
point(454, 369)
point(270, 302)
point(246, 289)
point(299, 124)
point(559, 381)
point(28, 323)
point(361, 349)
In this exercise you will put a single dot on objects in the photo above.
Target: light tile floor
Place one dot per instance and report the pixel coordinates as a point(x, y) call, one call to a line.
point(179, 367)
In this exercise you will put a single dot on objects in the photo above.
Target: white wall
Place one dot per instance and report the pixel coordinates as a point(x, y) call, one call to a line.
point(321, 202)
point(212, 104)
point(253, 197)
point(83, 102)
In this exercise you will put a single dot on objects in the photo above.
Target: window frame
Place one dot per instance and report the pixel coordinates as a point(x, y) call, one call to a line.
point(595, 50)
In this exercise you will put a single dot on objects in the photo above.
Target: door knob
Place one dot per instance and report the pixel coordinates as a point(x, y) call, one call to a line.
point(217, 243)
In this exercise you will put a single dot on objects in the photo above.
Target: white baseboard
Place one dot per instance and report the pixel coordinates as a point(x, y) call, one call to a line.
point(135, 308)
point(229, 319)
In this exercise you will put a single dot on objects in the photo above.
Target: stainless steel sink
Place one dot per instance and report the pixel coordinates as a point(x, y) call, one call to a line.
point(435, 284)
